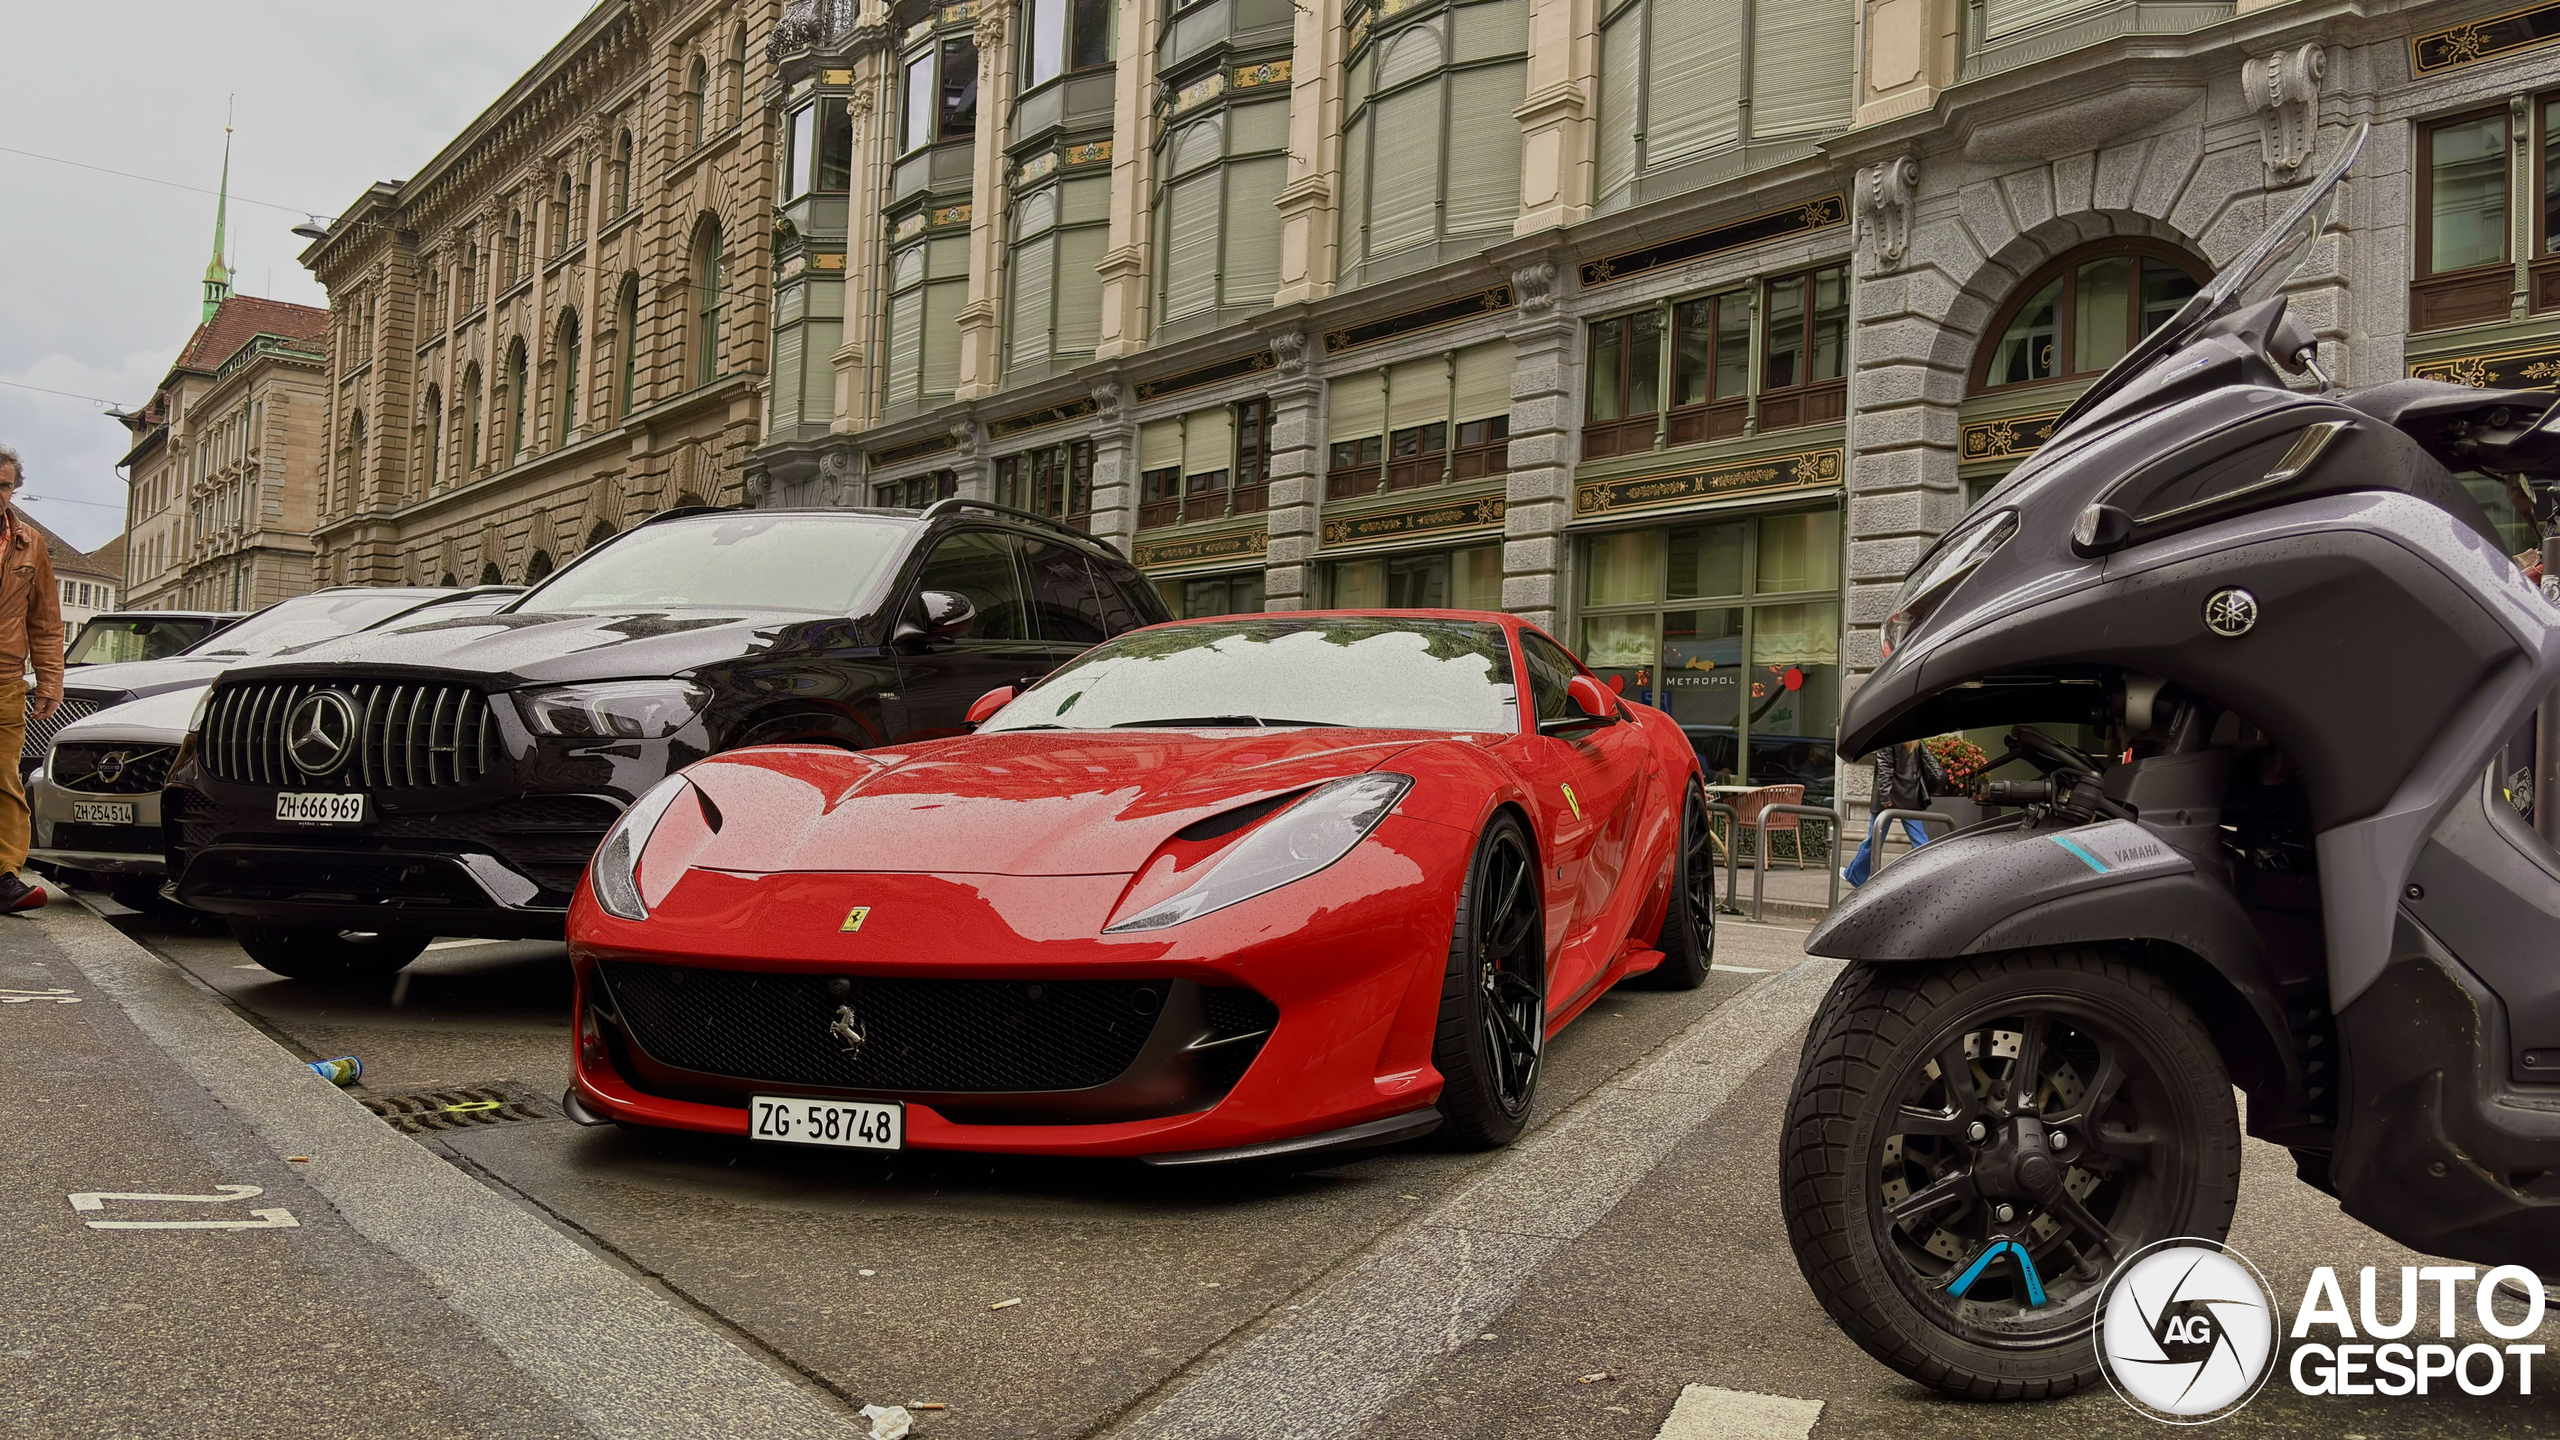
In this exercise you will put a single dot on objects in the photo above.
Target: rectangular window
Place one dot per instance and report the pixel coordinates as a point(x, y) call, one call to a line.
point(920, 94)
point(1356, 454)
point(802, 156)
point(1163, 484)
point(835, 147)
point(1253, 442)
point(959, 88)
point(1055, 480)
point(2466, 179)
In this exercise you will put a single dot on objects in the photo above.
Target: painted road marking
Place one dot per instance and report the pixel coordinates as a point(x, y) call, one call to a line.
point(1743, 969)
point(1329, 1365)
point(93, 1200)
point(467, 944)
point(29, 997)
point(1707, 1413)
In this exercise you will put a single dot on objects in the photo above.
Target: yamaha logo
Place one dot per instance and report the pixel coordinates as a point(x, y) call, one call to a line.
point(2231, 613)
point(2186, 1333)
point(319, 731)
point(848, 1030)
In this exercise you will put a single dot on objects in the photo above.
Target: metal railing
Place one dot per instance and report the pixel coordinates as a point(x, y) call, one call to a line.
point(1733, 837)
point(1760, 844)
point(1883, 820)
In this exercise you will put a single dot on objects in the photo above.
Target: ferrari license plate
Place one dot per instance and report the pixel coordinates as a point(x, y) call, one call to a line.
point(851, 1124)
point(330, 807)
point(101, 812)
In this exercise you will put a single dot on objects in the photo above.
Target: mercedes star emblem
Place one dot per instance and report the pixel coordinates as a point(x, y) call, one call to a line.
point(848, 1029)
point(318, 732)
point(2231, 613)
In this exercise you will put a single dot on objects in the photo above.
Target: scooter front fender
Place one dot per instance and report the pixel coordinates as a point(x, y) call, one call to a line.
point(2116, 884)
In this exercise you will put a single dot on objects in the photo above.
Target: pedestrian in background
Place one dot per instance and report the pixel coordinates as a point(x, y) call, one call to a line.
point(1906, 776)
point(30, 636)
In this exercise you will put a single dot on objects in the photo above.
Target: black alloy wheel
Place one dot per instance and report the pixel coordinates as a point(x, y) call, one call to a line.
point(327, 955)
point(1492, 1031)
point(1973, 1146)
point(1688, 939)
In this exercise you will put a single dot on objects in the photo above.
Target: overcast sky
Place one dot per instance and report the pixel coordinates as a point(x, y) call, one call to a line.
point(101, 277)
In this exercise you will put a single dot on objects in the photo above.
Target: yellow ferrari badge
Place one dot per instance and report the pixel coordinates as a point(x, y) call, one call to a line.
point(1570, 800)
point(853, 919)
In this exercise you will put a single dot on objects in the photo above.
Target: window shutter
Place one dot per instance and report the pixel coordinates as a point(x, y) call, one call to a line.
point(1621, 86)
point(943, 300)
point(1191, 246)
point(786, 373)
point(906, 347)
point(1417, 392)
point(1355, 191)
point(1484, 190)
point(1038, 213)
point(2008, 17)
point(1199, 144)
point(1251, 128)
point(1485, 31)
point(1484, 381)
point(1798, 84)
point(1252, 232)
point(1027, 326)
point(818, 387)
point(1355, 407)
point(1159, 444)
point(1084, 202)
point(1209, 441)
point(1411, 52)
point(1693, 79)
point(1079, 288)
point(1404, 193)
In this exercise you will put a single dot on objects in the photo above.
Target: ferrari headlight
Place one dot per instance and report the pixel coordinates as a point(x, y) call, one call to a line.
point(1292, 845)
point(616, 869)
point(1940, 572)
point(615, 709)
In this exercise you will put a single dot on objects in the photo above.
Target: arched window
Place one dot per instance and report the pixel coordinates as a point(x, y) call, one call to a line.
point(433, 419)
point(626, 338)
point(563, 204)
point(687, 501)
point(1430, 151)
point(733, 76)
point(622, 173)
point(513, 255)
point(570, 376)
point(471, 456)
point(471, 276)
point(598, 533)
point(516, 377)
point(489, 574)
point(710, 274)
point(537, 567)
point(2080, 314)
point(695, 81)
point(448, 580)
point(355, 460)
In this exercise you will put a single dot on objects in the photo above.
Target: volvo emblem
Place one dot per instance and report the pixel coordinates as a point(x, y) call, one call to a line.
point(2231, 613)
point(318, 732)
point(110, 767)
point(847, 1029)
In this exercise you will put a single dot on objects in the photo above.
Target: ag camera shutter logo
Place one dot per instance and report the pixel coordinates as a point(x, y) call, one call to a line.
point(2186, 1333)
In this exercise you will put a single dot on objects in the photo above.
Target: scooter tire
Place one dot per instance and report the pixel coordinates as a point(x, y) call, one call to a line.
point(1872, 1034)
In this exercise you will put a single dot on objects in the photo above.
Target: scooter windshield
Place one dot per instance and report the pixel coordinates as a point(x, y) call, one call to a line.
point(2257, 273)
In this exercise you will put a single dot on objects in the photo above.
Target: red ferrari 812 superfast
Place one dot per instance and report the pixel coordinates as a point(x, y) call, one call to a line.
point(1263, 886)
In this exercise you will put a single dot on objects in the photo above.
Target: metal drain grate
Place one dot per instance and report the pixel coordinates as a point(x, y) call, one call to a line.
point(456, 1107)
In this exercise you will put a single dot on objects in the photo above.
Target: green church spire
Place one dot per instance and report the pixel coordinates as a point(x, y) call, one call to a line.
point(217, 274)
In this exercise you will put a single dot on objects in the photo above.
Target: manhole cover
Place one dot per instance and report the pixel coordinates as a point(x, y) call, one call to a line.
point(456, 1107)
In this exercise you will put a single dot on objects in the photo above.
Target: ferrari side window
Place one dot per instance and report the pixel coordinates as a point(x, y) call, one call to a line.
point(979, 565)
point(1550, 671)
point(1064, 598)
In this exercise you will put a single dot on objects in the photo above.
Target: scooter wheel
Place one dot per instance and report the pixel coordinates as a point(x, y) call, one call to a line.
point(1974, 1145)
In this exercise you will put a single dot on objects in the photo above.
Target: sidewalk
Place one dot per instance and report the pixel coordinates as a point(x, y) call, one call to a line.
point(209, 1238)
point(1801, 896)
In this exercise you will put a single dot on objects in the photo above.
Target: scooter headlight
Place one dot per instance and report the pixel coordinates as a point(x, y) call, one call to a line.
point(615, 872)
point(1941, 571)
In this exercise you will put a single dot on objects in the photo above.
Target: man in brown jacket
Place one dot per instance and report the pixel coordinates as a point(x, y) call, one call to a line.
point(30, 636)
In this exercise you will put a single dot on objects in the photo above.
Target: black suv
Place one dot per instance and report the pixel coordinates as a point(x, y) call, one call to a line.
point(454, 778)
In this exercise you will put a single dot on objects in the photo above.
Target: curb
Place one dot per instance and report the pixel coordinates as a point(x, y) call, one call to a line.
point(628, 1362)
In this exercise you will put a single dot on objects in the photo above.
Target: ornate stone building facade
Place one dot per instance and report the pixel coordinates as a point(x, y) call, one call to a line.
point(1682, 326)
point(558, 326)
point(223, 474)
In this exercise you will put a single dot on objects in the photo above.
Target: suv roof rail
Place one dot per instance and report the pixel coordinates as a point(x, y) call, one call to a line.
point(956, 502)
point(682, 511)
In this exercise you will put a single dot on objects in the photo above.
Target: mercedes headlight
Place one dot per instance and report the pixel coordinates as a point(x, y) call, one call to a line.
point(1292, 845)
point(616, 869)
point(1941, 571)
point(615, 709)
point(204, 703)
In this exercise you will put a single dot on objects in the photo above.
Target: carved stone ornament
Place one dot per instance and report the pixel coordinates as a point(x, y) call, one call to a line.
point(859, 100)
point(990, 32)
point(1885, 195)
point(1535, 286)
point(2284, 88)
point(1289, 353)
point(1106, 401)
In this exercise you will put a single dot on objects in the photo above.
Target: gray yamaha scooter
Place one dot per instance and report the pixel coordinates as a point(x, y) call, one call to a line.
point(2259, 648)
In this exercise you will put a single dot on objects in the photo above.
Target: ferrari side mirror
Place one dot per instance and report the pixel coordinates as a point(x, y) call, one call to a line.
point(1588, 703)
point(985, 706)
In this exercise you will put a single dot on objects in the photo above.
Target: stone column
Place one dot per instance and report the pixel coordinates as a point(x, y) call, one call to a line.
point(1115, 466)
point(1908, 51)
point(1309, 235)
point(1546, 410)
point(1556, 117)
point(981, 325)
point(1126, 267)
point(863, 257)
point(1297, 475)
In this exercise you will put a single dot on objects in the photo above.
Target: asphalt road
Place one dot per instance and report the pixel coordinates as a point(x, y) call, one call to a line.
point(1633, 1235)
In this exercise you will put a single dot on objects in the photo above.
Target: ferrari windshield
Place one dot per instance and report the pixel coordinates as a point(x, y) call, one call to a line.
point(824, 563)
point(1382, 671)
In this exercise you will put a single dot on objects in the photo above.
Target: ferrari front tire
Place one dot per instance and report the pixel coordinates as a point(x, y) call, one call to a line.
point(1688, 939)
point(1493, 1000)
